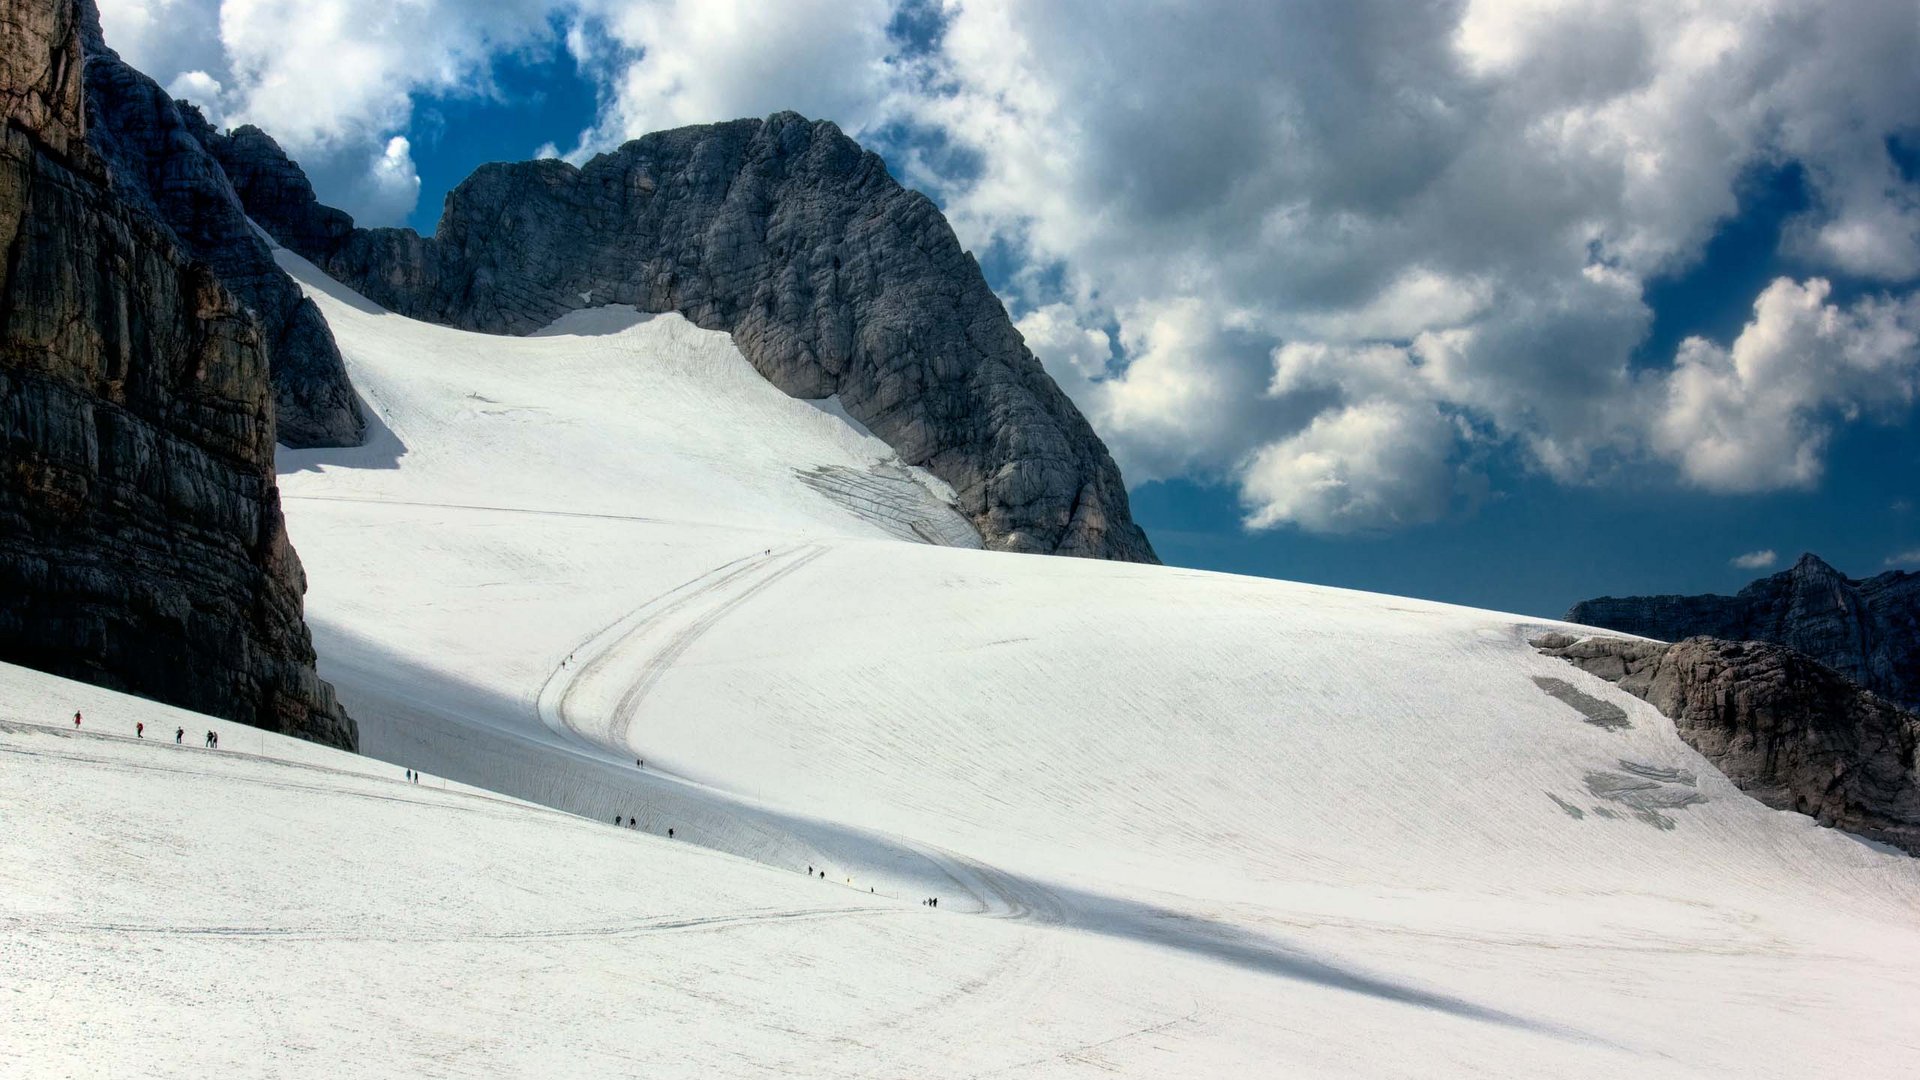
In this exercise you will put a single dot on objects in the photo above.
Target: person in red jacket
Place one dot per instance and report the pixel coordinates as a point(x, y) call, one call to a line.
point(139, 729)
point(76, 720)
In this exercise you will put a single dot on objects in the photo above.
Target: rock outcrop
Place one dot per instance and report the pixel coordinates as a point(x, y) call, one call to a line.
point(141, 542)
point(1790, 731)
point(1868, 630)
point(153, 147)
point(831, 277)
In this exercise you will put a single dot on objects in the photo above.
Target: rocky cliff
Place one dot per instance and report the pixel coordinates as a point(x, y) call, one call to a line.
point(141, 542)
point(1869, 630)
point(1792, 732)
point(153, 147)
point(831, 277)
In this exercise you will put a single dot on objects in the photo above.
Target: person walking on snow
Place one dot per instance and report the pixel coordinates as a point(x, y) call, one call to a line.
point(76, 720)
point(178, 734)
point(139, 729)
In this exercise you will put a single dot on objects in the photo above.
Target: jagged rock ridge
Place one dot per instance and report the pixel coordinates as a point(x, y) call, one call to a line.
point(154, 151)
point(1790, 731)
point(141, 542)
point(1869, 630)
point(831, 277)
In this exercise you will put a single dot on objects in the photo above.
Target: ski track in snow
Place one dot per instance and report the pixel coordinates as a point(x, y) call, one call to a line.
point(1216, 826)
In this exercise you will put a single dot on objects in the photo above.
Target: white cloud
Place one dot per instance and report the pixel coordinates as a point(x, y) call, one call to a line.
point(670, 64)
point(1376, 465)
point(389, 187)
point(1755, 560)
point(203, 90)
point(331, 80)
point(1486, 188)
point(1904, 558)
point(1757, 416)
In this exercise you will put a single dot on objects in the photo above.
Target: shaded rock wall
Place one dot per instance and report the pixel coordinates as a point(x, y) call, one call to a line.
point(1869, 630)
point(153, 149)
point(141, 542)
point(831, 277)
point(1790, 731)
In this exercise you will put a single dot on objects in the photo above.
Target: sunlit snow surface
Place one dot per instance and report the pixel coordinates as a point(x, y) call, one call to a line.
point(1181, 824)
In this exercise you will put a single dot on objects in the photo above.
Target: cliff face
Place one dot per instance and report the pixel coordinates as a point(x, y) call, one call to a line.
point(153, 149)
point(1868, 630)
point(831, 277)
point(1790, 731)
point(141, 542)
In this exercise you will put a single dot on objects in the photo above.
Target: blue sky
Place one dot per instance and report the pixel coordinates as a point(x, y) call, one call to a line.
point(1488, 301)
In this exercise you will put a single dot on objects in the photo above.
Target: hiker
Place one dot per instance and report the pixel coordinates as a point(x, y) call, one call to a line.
point(216, 739)
point(140, 729)
point(416, 772)
point(179, 733)
point(669, 832)
point(616, 819)
point(76, 720)
point(641, 762)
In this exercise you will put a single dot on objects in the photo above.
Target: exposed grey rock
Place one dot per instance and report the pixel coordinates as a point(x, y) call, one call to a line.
point(154, 150)
point(141, 542)
point(1869, 630)
point(831, 277)
point(1788, 730)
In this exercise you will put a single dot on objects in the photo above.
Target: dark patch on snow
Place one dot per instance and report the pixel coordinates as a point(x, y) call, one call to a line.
point(1646, 799)
point(1604, 714)
point(1663, 773)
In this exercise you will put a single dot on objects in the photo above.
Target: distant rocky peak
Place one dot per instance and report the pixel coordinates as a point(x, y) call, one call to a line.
point(1868, 629)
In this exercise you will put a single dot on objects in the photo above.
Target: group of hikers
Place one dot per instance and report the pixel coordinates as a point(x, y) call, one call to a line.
point(412, 777)
point(632, 821)
point(212, 741)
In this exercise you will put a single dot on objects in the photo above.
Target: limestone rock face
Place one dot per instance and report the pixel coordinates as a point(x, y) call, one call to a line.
point(40, 83)
point(831, 277)
point(1790, 731)
point(155, 153)
point(1869, 630)
point(141, 542)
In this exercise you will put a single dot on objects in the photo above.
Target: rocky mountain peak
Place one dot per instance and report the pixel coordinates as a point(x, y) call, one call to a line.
point(832, 278)
point(1868, 629)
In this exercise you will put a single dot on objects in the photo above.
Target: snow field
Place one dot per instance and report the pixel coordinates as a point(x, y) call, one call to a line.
point(1181, 824)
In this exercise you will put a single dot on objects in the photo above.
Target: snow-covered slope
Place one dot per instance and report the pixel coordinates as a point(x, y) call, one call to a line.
point(1180, 823)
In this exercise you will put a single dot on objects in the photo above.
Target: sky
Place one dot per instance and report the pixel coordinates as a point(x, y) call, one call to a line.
point(1503, 302)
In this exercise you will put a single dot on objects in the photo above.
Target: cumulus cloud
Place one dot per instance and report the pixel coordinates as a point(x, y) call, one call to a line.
point(672, 64)
point(1251, 239)
point(1374, 465)
point(332, 80)
point(1757, 416)
point(1755, 560)
point(1482, 190)
point(1904, 558)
